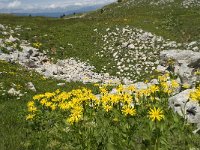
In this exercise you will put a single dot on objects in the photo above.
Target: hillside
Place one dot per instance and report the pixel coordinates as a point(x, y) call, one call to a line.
point(120, 44)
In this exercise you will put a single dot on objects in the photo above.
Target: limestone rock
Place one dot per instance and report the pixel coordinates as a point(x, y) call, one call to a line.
point(185, 56)
point(161, 68)
point(30, 86)
point(185, 63)
point(14, 92)
point(140, 85)
point(185, 107)
point(60, 84)
point(178, 102)
point(2, 27)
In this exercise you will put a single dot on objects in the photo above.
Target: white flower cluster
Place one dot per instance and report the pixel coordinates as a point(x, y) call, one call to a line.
point(134, 52)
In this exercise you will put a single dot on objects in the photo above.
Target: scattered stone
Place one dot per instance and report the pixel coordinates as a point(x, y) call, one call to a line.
point(60, 84)
point(30, 86)
point(185, 63)
point(14, 92)
point(141, 85)
point(161, 69)
point(2, 27)
point(186, 108)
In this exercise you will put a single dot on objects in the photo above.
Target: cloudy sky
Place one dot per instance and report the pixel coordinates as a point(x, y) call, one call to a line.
point(46, 5)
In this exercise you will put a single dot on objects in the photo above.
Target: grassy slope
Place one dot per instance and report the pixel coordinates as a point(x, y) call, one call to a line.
point(13, 131)
point(78, 32)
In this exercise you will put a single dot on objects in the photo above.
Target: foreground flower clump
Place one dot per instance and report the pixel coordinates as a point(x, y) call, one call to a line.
point(119, 116)
point(126, 100)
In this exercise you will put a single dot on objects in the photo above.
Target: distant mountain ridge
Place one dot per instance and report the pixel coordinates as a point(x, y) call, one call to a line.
point(57, 13)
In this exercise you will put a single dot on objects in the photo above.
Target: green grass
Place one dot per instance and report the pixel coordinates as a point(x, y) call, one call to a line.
point(13, 126)
point(59, 33)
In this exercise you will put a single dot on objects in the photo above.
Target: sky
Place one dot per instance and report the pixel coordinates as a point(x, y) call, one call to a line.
point(47, 5)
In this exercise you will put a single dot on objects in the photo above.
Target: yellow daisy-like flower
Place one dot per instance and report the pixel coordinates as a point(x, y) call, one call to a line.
point(43, 101)
point(116, 119)
point(127, 110)
point(32, 109)
point(156, 114)
point(53, 107)
point(30, 116)
point(174, 84)
point(197, 72)
point(48, 104)
point(76, 115)
point(107, 108)
point(30, 104)
point(153, 88)
point(103, 90)
point(186, 86)
point(162, 78)
point(38, 97)
point(120, 88)
point(195, 95)
point(131, 88)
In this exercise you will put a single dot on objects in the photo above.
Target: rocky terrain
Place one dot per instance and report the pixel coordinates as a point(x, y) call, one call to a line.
point(184, 3)
point(135, 52)
point(69, 69)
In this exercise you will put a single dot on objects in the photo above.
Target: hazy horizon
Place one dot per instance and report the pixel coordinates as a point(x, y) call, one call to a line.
point(59, 13)
point(48, 6)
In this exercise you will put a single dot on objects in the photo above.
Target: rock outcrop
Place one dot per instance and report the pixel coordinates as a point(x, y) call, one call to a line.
point(184, 63)
point(185, 107)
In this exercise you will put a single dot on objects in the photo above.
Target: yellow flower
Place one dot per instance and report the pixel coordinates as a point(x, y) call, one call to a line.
point(96, 84)
point(120, 88)
point(103, 90)
point(153, 88)
point(32, 109)
point(37, 45)
point(30, 104)
point(64, 106)
point(163, 78)
point(168, 91)
point(171, 61)
point(62, 96)
point(77, 109)
point(57, 91)
point(156, 114)
point(195, 95)
point(116, 119)
point(53, 107)
point(76, 115)
point(38, 97)
point(48, 104)
point(197, 72)
point(131, 88)
point(113, 98)
point(186, 86)
point(49, 95)
point(43, 101)
point(127, 110)
point(126, 98)
point(74, 118)
point(30, 116)
point(107, 108)
point(174, 84)
point(164, 85)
